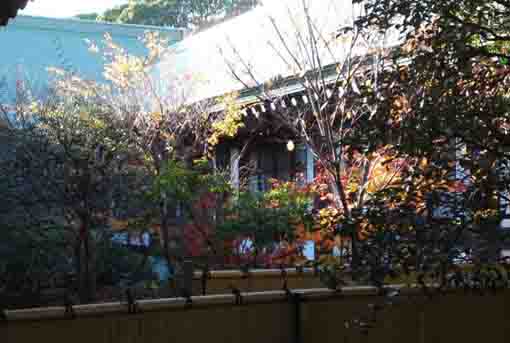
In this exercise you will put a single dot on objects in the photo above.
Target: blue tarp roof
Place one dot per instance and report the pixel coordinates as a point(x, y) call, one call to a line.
point(33, 44)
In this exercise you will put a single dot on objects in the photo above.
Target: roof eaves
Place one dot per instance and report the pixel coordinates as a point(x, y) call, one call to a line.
point(90, 26)
point(9, 9)
point(292, 86)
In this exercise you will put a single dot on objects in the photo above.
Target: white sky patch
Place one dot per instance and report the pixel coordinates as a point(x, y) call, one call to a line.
point(68, 8)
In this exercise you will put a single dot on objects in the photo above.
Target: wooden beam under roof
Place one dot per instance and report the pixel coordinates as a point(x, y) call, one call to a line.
point(9, 9)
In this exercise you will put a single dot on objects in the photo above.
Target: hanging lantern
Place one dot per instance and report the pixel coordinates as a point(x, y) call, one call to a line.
point(290, 145)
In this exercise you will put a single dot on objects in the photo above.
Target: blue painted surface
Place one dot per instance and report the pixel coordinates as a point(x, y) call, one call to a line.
point(309, 250)
point(30, 45)
point(160, 267)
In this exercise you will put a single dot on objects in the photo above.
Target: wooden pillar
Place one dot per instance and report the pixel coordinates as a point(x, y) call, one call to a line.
point(254, 177)
point(235, 157)
point(310, 165)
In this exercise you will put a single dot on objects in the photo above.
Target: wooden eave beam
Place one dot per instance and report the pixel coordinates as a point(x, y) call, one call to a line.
point(9, 9)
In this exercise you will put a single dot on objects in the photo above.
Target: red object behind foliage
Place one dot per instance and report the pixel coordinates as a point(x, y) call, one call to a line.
point(198, 237)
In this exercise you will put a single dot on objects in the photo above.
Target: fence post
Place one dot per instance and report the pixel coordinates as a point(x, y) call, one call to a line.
point(297, 318)
point(205, 278)
point(187, 277)
point(422, 326)
point(4, 330)
point(295, 299)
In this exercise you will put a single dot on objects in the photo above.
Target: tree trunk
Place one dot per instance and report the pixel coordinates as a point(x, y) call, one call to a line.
point(342, 200)
point(86, 274)
point(355, 260)
point(78, 266)
point(164, 232)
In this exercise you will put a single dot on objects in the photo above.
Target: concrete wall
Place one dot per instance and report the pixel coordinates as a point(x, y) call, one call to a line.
point(271, 317)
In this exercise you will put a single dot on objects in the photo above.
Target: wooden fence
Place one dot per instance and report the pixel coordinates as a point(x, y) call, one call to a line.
point(214, 282)
point(257, 280)
point(314, 315)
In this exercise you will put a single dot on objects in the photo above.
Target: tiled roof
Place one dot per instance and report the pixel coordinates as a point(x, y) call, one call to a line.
point(252, 38)
point(251, 41)
point(9, 9)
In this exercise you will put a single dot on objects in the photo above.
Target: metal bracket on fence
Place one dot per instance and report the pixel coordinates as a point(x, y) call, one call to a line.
point(245, 270)
point(287, 291)
point(69, 310)
point(285, 286)
point(283, 272)
point(338, 291)
point(131, 302)
point(285, 280)
point(238, 296)
point(206, 275)
point(189, 300)
point(3, 316)
point(315, 269)
point(187, 295)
